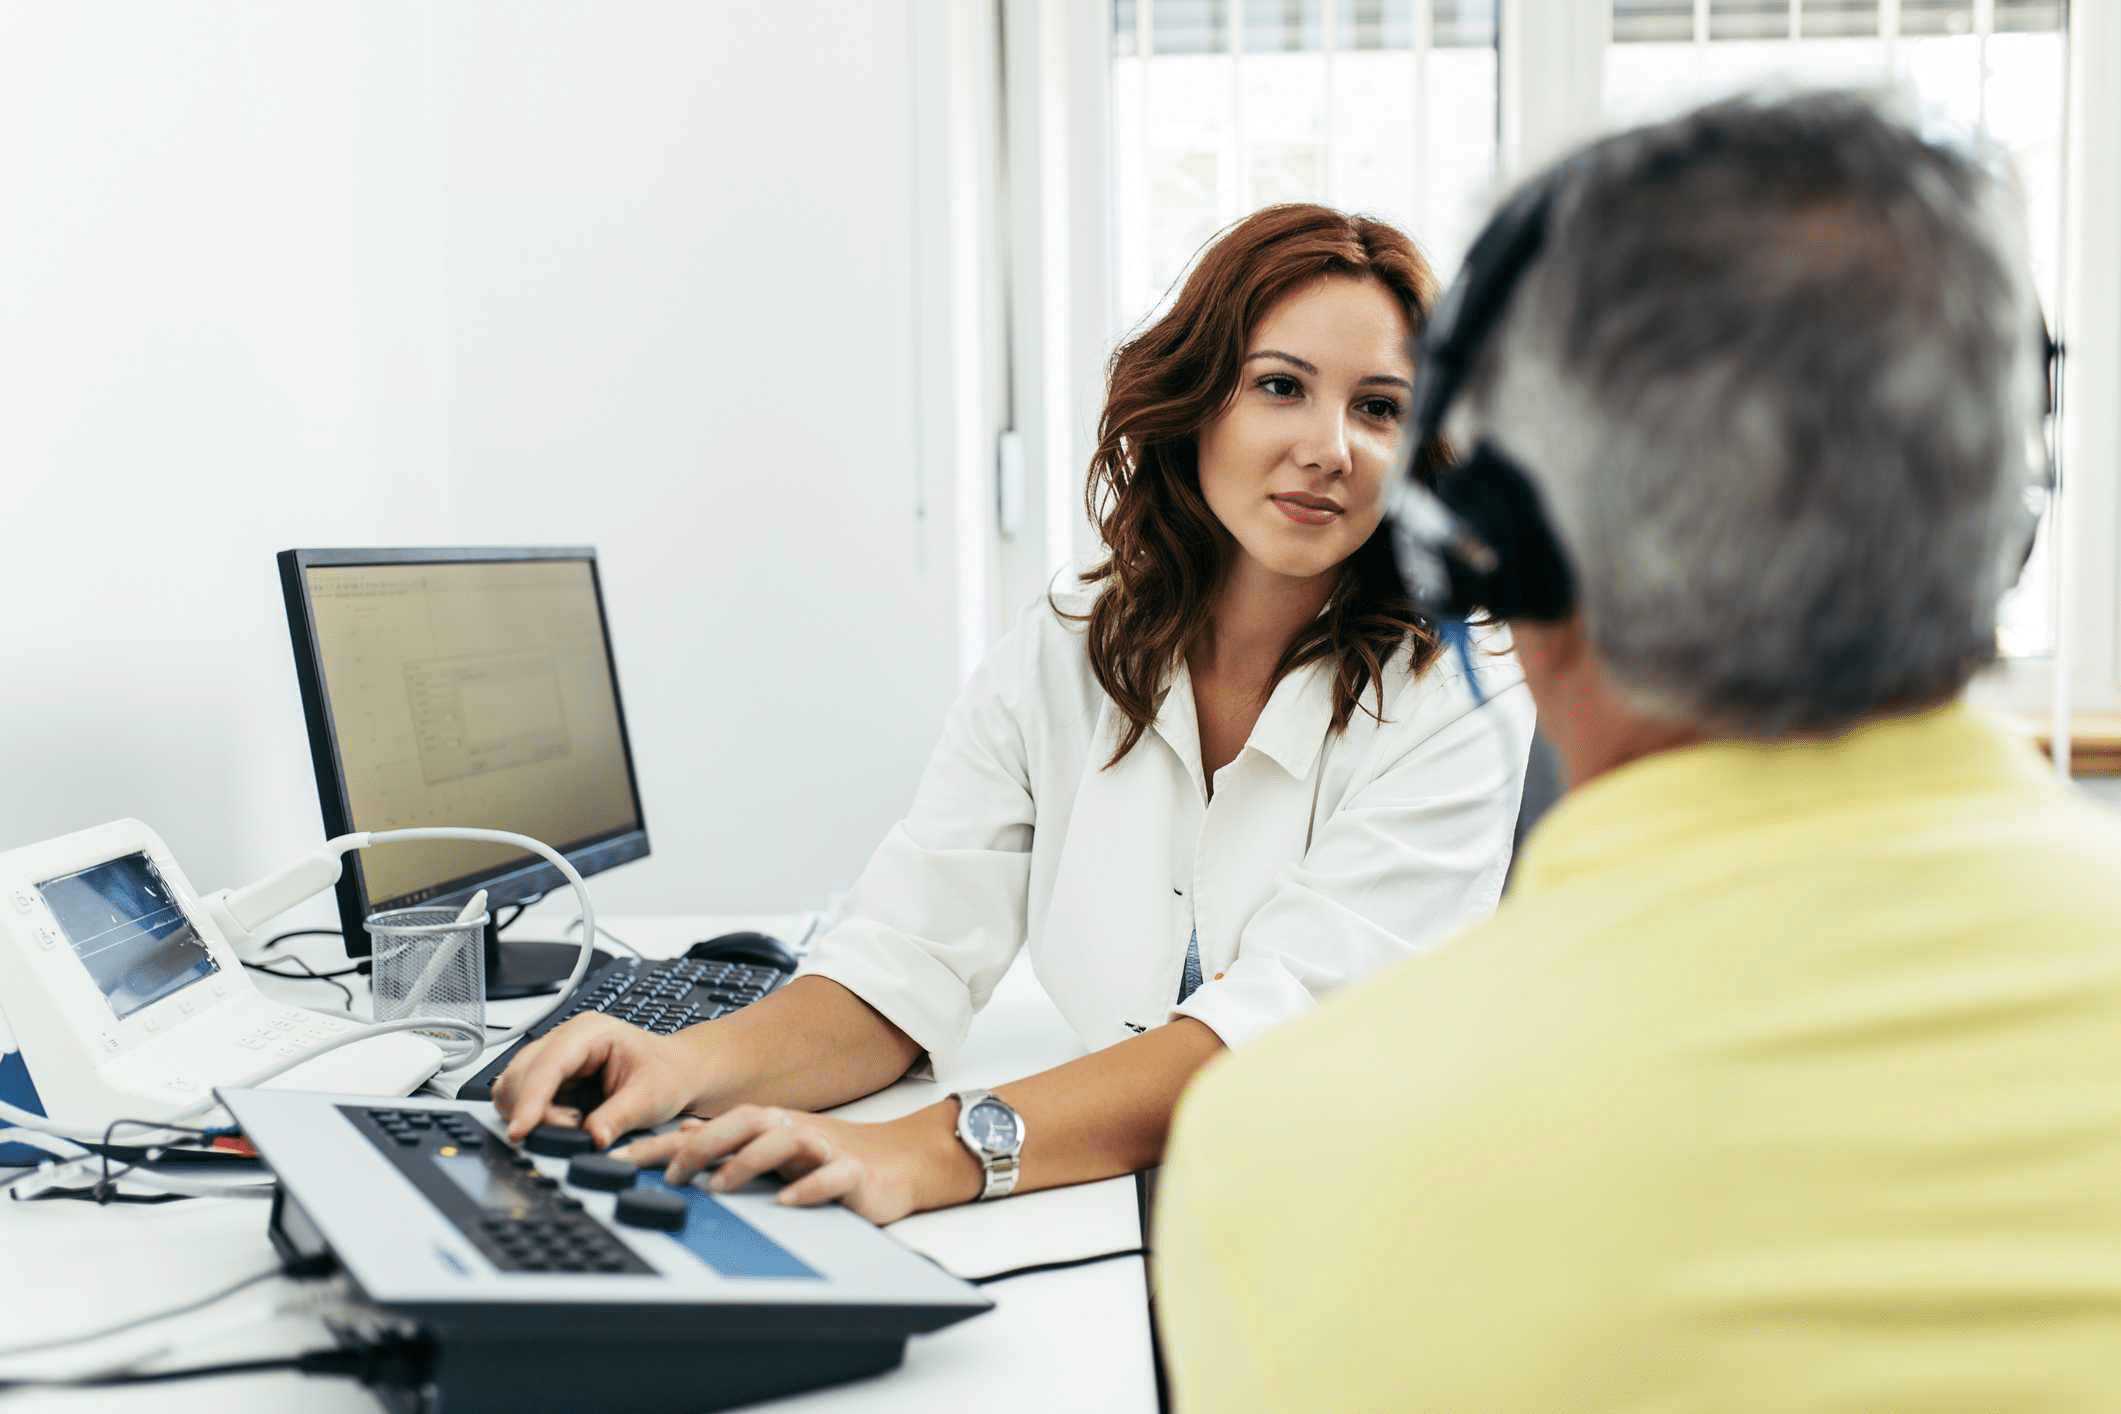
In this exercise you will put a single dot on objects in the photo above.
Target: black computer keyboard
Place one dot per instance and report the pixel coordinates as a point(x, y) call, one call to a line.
point(658, 996)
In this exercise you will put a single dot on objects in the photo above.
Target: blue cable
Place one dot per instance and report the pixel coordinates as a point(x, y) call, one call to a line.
point(1453, 631)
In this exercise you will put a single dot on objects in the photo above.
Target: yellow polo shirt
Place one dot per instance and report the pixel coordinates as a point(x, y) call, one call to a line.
point(1785, 1079)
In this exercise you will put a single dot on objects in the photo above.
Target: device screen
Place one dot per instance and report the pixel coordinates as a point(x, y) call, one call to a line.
point(493, 1183)
point(124, 924)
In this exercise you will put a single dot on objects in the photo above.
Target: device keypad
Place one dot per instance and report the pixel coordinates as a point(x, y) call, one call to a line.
point(568, 1241)
point(522, 1218)
point(516, 1215)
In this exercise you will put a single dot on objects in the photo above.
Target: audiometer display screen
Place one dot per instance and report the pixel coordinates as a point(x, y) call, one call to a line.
point(124, 924)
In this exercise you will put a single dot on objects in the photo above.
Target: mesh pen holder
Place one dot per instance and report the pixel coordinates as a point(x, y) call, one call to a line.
point(428, 962)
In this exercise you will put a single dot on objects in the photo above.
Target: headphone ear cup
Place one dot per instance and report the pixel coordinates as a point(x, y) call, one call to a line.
point(1530, 576)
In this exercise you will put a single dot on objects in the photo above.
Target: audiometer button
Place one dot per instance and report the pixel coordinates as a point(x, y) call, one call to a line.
point(558, 1141)
point(651, 1207)
point(601, 1171)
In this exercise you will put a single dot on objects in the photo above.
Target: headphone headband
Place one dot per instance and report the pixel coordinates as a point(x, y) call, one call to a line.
point(1479, 540)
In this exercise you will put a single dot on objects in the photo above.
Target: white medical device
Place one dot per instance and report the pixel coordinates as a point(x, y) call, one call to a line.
point(126, 997)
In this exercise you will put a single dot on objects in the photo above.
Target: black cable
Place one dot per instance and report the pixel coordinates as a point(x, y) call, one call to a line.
point(359, 966)
point(397, 1361)
point(521, 908)
point(278, 938)
point(96, 1194)
point(310, 974)
point(104, 1190)
point(1057, 1266)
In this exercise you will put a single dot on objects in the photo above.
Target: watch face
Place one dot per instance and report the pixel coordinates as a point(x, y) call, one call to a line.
point(992, 1126)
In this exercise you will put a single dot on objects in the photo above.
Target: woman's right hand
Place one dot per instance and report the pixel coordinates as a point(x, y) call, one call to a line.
point(644, 1079)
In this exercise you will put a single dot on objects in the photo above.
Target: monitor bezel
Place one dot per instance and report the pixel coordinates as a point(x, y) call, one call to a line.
point(505, 887)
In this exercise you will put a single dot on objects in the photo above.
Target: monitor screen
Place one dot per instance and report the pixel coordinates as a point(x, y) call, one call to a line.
point(461, 687)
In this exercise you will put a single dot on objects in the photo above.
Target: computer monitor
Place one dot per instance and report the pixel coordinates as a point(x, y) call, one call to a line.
point(464, 687)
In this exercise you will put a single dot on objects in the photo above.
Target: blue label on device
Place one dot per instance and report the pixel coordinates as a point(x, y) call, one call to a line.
point(17, 1089)
point(725, 1241)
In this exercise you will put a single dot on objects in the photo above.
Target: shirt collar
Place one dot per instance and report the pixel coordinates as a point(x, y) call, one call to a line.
point(1651, 805)
point(1292, 726)
point(1290, 730)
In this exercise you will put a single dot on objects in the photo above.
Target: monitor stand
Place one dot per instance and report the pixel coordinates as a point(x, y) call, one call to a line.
point(528, 968)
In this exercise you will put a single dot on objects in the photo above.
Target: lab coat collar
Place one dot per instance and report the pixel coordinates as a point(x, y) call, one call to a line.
point(1178, 724)
point(1292, 727)
point(1290, 730)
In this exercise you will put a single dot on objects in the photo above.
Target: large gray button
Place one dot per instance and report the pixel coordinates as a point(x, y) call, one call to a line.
point(651, 1207)
point(601, 1171)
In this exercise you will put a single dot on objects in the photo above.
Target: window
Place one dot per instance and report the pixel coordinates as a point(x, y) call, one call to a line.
point(1388, 107)
point(1992, 73)
point(1171, 118)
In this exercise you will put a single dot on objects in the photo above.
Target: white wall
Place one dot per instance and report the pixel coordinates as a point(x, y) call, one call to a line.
point(642, 275)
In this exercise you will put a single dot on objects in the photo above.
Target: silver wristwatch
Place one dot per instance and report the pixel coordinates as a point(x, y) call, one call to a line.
point(995, 1135)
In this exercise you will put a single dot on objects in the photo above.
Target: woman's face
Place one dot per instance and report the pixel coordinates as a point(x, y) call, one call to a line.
point(1295, 466)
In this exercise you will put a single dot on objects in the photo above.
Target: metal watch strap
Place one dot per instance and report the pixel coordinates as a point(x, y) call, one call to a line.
point(999, 1169)
point(1001, 1177)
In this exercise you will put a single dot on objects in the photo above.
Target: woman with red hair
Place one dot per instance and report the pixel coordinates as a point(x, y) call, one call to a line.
point(1223, 775)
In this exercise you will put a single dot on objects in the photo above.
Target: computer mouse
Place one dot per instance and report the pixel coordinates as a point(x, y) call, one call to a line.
point(755, 948)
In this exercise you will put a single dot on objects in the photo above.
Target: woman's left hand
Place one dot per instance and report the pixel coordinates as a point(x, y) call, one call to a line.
point(875, 1169)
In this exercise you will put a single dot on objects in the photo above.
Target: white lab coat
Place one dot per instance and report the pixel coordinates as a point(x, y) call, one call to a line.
point(1322, 858)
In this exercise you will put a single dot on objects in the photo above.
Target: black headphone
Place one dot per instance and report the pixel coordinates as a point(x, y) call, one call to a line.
point(1481, 540)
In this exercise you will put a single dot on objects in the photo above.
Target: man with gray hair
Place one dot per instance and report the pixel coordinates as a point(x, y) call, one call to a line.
point(1788, 1075)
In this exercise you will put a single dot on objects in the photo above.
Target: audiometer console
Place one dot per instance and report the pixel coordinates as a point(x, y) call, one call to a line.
point(554, 1277)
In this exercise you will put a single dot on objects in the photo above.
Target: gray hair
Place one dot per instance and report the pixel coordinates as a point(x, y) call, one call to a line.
point(1775, 373)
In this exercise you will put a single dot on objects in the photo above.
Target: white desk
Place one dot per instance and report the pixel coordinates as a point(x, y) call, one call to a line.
point(1060, 1341)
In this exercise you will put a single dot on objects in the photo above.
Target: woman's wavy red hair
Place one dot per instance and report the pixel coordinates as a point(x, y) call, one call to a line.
point(1165, 550)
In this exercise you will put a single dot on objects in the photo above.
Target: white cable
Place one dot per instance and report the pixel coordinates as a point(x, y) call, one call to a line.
point(552, 857)
point(49, 1143)
point(260, 1187)
point(475, 1038)
point(134, 1323)
point(83, 1168)
point(574, 926)
point(474, 1041)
